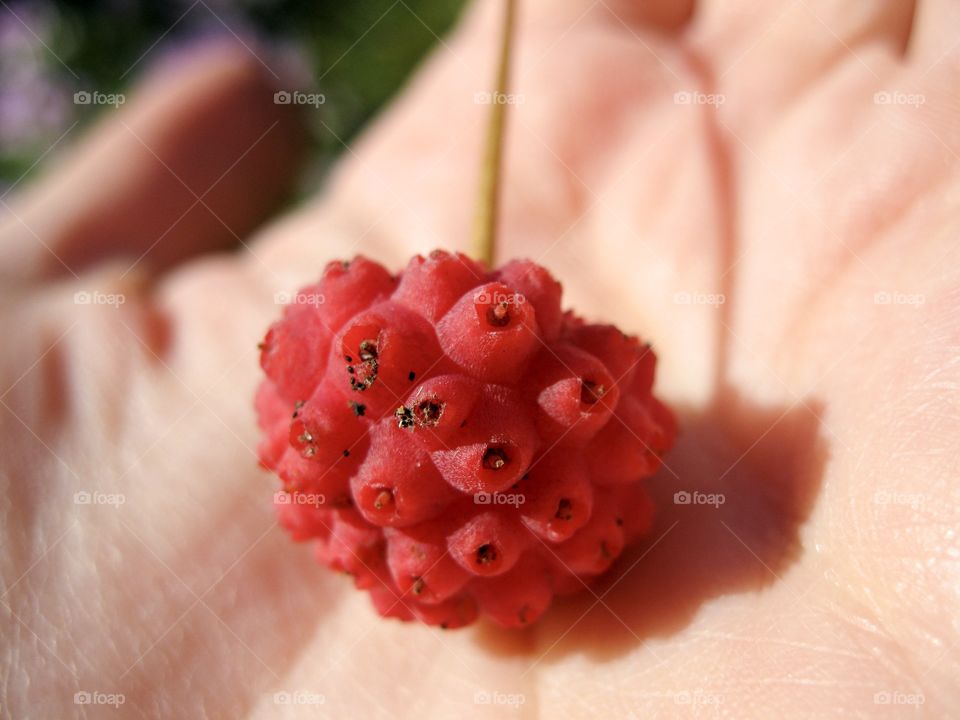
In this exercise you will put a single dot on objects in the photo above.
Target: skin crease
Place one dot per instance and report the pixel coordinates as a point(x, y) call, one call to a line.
point(828, 420)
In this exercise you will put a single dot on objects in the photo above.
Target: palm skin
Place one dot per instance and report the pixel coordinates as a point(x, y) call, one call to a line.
point(827, 576)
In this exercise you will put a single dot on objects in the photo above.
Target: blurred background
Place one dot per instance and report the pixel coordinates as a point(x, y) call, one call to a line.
point(50, 51)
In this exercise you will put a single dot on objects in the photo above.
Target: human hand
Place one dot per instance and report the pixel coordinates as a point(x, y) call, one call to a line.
point(746, 232)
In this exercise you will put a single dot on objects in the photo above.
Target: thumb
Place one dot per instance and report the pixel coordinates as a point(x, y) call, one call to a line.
point(198, 156)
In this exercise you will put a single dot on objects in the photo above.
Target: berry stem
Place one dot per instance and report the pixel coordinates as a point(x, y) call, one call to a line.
point(485, 229)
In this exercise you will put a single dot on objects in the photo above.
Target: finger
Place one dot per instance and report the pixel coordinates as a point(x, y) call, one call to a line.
point(771, 52)
point(196, 158)
point(935, 37)
point(821, 24)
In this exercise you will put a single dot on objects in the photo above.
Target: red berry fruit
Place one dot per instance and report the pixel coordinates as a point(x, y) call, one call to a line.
point(453, 440)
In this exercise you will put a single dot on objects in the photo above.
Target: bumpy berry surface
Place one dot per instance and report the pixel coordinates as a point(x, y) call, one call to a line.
point(453, 440)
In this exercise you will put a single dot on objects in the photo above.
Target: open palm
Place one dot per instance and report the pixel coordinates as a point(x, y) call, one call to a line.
point(768, 195)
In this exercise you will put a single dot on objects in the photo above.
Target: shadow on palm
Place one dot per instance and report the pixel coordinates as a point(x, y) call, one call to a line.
point(731, 502)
